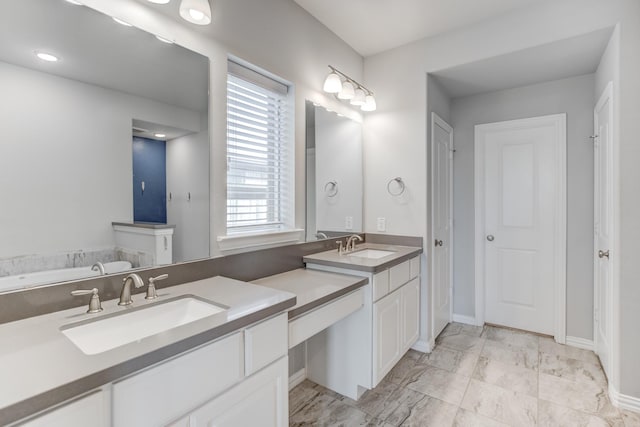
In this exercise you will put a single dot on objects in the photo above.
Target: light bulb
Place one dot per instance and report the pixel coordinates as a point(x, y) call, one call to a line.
point(332, 83)
point(369, 104)
point(196, 11)
point(347, 91)
point(358, 98)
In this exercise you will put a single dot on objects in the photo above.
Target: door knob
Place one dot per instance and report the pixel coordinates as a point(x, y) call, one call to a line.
point(438, 242)
point(490, 237)
point(603, 254)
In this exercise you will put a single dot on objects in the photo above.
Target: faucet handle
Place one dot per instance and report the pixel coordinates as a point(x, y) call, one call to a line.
point(340, 247)
point(151, 289)
point(94, 302)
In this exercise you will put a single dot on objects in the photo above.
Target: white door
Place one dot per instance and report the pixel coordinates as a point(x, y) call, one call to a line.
point(441, 209)
point(522, 221)
point(603, 115)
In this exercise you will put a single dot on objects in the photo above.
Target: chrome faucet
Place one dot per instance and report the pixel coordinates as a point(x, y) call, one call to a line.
point(125, 294)
point(98, 266)
point(351, 242)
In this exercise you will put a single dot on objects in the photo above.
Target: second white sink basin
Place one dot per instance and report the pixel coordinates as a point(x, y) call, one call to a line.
point(371, 253)
point(114, 331)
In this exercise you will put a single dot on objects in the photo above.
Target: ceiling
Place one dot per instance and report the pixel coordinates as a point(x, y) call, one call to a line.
point(96, 50)
point(373, 26)
point(565, 58)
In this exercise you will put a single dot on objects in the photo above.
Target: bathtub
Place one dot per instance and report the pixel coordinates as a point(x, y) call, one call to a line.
point(28, 280)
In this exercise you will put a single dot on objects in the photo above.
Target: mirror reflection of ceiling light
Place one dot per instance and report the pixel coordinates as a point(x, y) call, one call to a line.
point(349, 89)
point(159, 1)
point(47, 56)
point(196, 11)
point(121, 22)
point(163, 40)
point(77, 3)
point(159, 135)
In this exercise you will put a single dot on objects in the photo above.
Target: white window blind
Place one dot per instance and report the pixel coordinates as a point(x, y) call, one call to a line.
point(258, 157)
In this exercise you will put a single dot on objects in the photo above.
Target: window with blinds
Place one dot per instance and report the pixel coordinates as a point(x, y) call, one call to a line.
point(258, 158)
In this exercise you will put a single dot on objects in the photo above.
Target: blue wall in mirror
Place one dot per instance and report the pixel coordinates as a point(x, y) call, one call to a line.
point(150, 168)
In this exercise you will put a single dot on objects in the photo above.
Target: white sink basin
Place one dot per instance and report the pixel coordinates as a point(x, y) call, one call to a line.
point(371, 253)
point(110, 332)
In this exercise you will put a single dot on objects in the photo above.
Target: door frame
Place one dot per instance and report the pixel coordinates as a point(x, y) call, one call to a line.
point(560, 285)
point(607, 95)
point(436, 119)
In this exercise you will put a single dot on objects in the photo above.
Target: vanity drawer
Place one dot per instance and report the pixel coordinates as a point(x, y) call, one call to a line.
point(170, 389)
point(380, 284)
point(265, 343)
point(399, 275)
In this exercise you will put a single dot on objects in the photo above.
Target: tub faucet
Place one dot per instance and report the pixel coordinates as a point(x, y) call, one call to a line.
point(351, 242)
point(98, 266)
point(125, 294)
point(321, 235)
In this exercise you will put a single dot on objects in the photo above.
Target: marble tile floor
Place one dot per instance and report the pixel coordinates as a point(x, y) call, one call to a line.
point(475, 377)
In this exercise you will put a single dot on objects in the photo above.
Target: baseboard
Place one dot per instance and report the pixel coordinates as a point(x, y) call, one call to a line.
point(422, 347)
point(297, 378)
point(467, 320)
point(580, 343)
point(623, 401)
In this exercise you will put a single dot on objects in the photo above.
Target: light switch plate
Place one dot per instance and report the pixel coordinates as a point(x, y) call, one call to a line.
point(382, 224)
point(348, 223)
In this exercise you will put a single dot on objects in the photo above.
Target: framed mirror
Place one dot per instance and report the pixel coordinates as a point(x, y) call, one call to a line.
point(85, 100)
point(334, 184)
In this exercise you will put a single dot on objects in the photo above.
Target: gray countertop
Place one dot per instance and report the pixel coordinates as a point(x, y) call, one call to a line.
point(40, 367)
point(312, 288)
point(333, 259)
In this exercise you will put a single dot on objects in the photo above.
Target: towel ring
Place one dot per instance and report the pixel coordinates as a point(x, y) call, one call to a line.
point(400, 184)
point(331, 188)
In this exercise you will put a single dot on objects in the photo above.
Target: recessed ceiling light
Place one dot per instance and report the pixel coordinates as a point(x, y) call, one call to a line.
point(47, 57)
point(159, 135)
point(121, 22)
point(163, 40)
point(159, 1)
point(77, 3)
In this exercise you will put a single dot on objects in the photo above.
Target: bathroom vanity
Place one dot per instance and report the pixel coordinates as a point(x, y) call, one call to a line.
point(216, 367)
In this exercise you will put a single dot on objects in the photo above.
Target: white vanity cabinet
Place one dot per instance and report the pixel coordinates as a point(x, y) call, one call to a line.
point(91, 410)
point(362, 348)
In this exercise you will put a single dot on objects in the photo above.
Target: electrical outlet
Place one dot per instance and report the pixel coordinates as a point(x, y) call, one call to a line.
point(382, 224)
point(348, 223)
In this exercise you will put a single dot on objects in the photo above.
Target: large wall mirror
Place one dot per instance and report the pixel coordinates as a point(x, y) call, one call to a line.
point(115, 130)
point(334, 174)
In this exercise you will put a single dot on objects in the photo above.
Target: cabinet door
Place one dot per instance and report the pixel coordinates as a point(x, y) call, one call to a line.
point(87, 411)
point(261, 400)
point(410, 298)
point(387, 322)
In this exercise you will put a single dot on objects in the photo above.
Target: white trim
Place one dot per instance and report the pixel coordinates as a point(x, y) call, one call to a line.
point(467, 320)
point(437, 120)
point(422, 347)
point(297, 378)
point(623, 401)
point(560, 223)
point(578, 342)
point(246, 241)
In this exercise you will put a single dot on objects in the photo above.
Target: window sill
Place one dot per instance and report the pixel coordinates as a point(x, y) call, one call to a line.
point(239, 242)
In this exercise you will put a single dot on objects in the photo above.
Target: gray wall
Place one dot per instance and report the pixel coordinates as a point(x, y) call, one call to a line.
point(573, 96)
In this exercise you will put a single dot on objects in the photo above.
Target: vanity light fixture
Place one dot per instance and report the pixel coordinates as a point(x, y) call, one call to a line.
point(159, 1)
point(121, 22)
point(196, 11)
point(344, 87)
point(49, 57)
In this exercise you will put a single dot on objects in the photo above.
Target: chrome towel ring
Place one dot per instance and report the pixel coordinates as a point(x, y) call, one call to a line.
point(331, 188)
point(400, 183)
